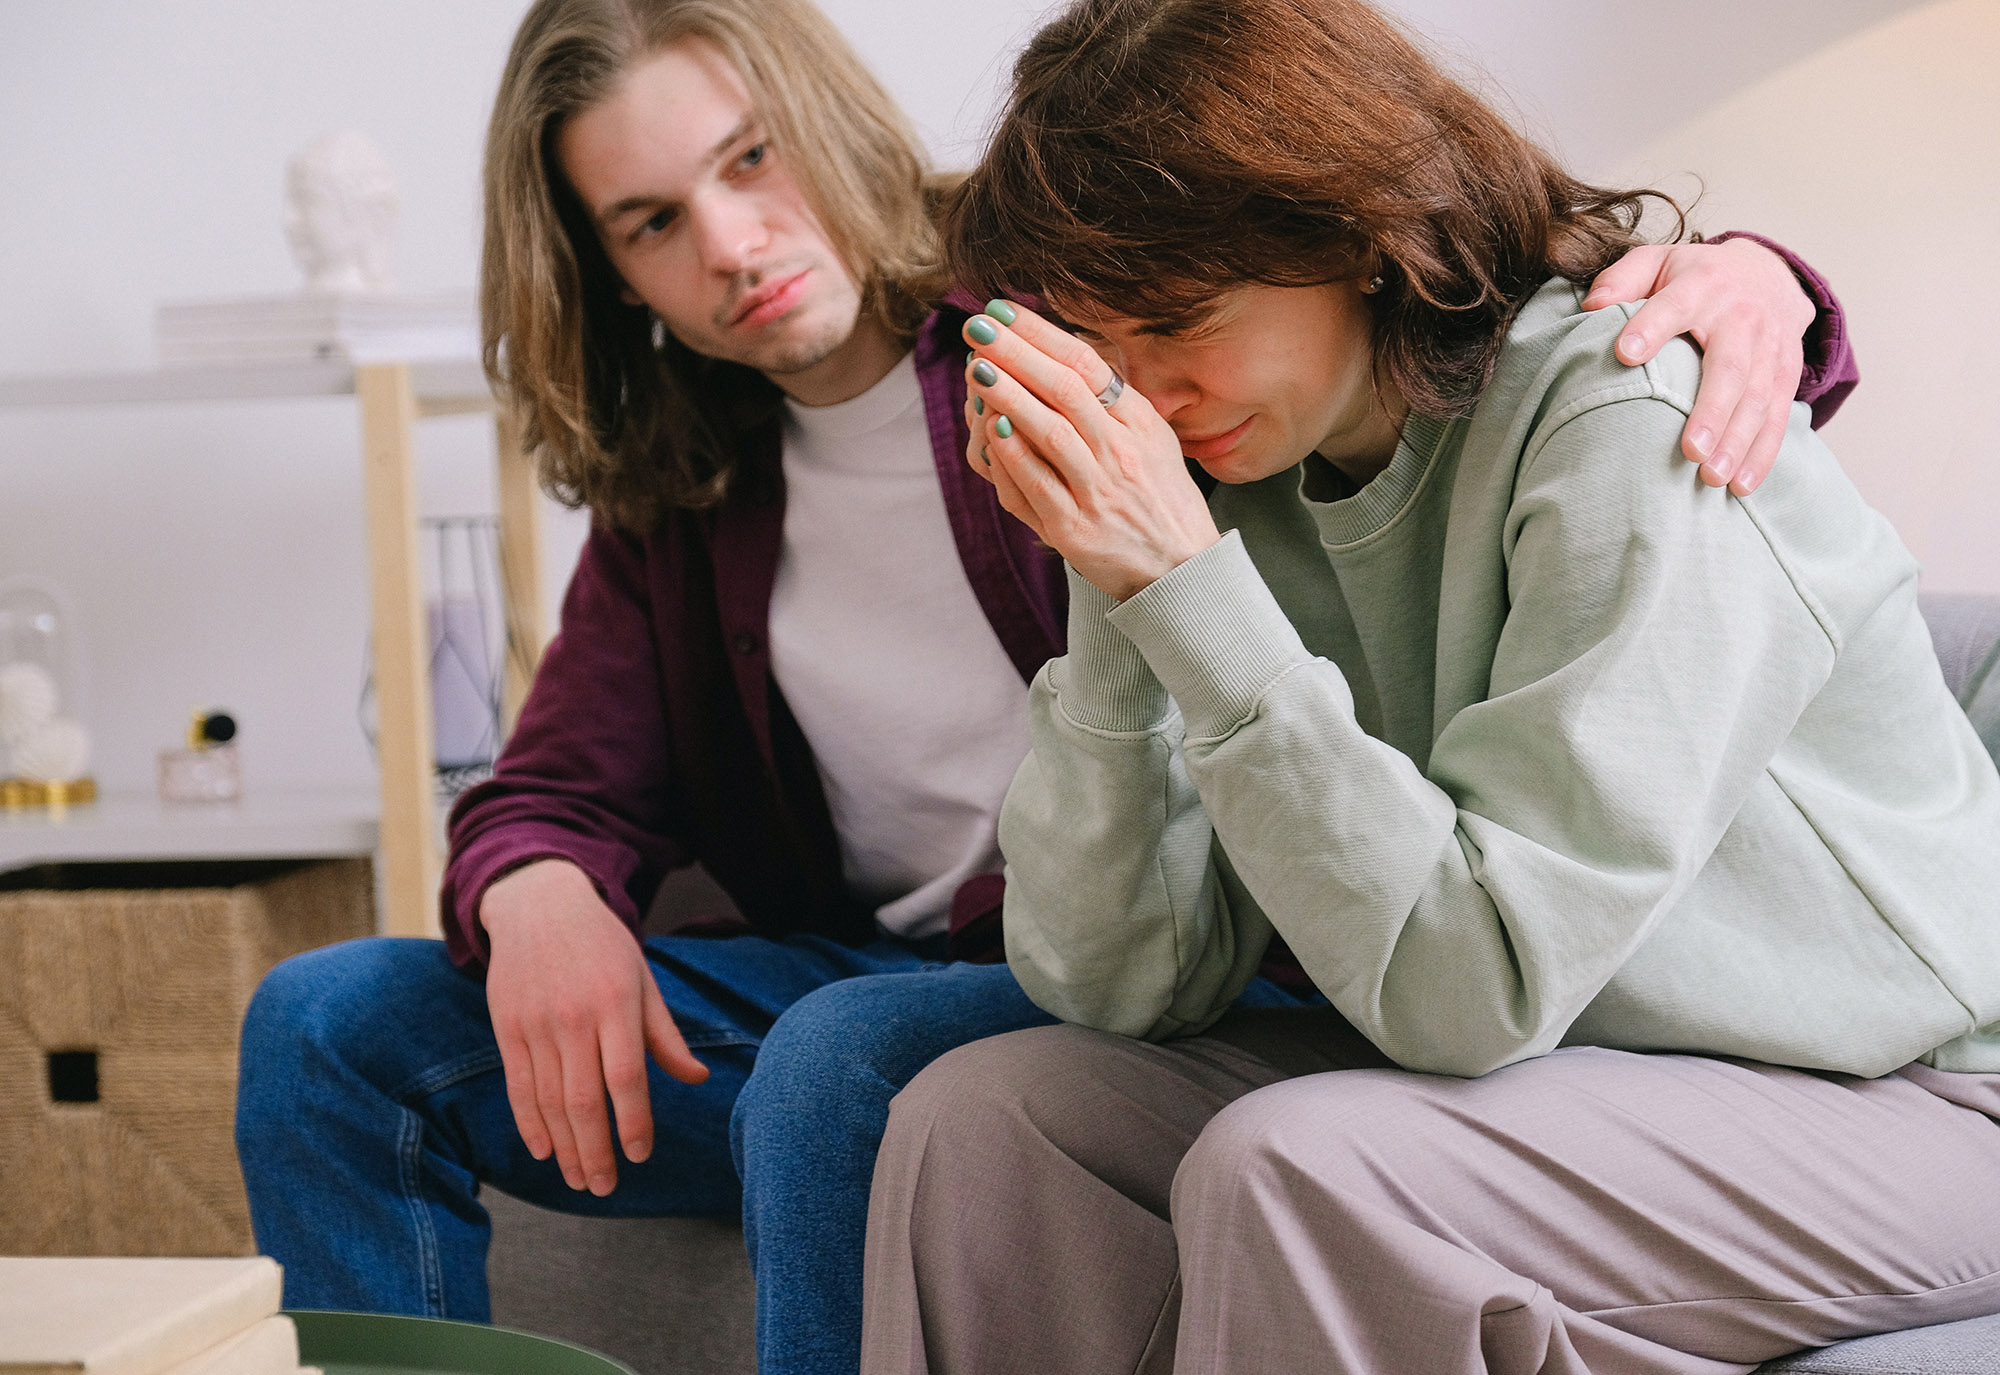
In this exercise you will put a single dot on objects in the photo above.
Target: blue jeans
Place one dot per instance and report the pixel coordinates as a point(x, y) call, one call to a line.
point(371, 1108)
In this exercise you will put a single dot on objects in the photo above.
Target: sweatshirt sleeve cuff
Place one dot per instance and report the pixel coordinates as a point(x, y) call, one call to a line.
point(1214, 635)
point(1104, 683)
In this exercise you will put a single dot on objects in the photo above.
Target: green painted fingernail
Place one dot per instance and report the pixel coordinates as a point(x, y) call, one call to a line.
point(985, 455)
point(978, 405)
point(982, 330)
point(1004, 427)
point(984, 373)
point(1003, 311)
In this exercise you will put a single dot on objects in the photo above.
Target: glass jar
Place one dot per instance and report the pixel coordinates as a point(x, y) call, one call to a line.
point(44, 747)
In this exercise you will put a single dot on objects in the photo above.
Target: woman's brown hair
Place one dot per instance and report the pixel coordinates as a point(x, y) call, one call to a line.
point(622, 417)
point(1158, 152)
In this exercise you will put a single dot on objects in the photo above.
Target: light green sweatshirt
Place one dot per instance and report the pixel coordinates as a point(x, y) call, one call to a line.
point(1531, 741)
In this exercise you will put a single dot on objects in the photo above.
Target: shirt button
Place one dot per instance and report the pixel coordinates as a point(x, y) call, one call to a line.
point(743, 642)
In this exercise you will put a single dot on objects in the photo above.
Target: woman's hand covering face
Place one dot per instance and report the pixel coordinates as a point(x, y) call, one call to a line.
point(1741, 303)
point(1105, 487)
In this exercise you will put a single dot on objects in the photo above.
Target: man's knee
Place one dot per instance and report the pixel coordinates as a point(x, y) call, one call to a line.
point(326, 1006)
point(835, 1056)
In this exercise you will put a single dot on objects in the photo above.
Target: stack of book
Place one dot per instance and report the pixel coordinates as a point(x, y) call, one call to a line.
point(131, 1316)
point(313, 328)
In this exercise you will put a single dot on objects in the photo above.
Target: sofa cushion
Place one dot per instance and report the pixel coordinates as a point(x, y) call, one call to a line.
point(1954, 1348)
point(1965, 628)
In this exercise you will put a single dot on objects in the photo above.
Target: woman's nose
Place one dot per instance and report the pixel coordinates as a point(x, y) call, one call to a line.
point(1166, 388)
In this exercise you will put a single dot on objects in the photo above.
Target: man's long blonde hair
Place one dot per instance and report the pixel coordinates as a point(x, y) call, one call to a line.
point(620, 420)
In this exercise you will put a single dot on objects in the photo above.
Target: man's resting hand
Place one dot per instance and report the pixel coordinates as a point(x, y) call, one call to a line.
point(575, 1011)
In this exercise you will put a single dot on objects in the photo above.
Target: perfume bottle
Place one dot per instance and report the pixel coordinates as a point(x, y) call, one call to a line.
point(209, 768)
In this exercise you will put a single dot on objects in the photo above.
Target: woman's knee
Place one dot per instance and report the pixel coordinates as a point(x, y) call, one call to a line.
point(1019, 1074)
point(1002, 1105)
point(1345, 1130)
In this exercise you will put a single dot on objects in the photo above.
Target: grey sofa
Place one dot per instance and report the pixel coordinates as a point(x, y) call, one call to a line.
point(674, 1297)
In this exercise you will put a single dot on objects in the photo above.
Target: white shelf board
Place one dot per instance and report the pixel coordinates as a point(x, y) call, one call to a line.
point(458, 383)
point(267, 824)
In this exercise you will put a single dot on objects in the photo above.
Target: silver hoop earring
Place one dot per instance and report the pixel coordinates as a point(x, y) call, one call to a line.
point(1374, 284)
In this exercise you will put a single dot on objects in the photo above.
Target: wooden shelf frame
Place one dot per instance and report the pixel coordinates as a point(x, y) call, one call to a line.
point(393, 397)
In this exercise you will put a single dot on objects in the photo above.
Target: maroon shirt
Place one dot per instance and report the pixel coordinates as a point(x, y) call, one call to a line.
point(655, 735)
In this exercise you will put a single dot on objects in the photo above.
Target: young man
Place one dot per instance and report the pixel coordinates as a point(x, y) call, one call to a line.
point(795, 650)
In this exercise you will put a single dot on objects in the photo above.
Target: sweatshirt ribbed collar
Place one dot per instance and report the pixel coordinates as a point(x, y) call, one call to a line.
point(1389, 493)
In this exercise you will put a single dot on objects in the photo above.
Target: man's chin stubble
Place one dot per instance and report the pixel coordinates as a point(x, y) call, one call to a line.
point(799, 355)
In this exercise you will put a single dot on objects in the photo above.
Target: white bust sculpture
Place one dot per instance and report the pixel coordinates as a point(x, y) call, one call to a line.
point(340, 214)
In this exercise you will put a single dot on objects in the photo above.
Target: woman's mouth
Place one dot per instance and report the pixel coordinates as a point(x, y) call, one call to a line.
point(1216, 445)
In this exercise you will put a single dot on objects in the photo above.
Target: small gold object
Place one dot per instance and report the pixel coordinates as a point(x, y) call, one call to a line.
point(18, 794)
point(208, 729)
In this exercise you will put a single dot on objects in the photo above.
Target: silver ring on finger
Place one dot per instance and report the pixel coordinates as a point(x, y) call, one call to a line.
point(1113, 389)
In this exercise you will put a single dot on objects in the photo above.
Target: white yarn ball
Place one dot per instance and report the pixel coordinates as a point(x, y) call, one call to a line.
point(58, 751)
point(28, 700)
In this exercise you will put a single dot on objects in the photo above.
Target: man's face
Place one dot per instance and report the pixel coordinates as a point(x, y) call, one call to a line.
point(700, 215)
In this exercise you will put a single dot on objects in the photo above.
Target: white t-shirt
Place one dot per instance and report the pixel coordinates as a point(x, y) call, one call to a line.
point(916, 716)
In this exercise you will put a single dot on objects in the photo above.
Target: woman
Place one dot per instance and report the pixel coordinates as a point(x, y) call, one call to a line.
point(1646, 863)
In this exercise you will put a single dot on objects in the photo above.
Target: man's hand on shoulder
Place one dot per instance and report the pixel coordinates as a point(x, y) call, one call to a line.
point(1742, 304)
point(575, 1011)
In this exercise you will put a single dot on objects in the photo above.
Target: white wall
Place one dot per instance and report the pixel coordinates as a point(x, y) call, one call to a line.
point(1894, 192)
point(215, 552)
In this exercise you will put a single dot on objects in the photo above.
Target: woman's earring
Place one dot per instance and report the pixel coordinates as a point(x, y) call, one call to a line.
point(659, 332)
point(1373, 284)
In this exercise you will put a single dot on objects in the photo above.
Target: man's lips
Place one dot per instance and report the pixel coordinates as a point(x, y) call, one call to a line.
point(1216, 445)
point(770, 301)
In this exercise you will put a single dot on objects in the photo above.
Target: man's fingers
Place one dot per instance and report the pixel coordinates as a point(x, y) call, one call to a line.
point(624, 1054)
point(517, 1064)
point(664, 1039)
point(1633, 277)
point(1723, 385)
point(1663, 317)
point(1755, 407)
point(583, 1102)
point(548, 1072)
point(1763, 453)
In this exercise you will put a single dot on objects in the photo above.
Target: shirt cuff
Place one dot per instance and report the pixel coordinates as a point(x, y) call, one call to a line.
point(1214, 635)
point(490, 858)
point(1104, 683)
point(1830, 370)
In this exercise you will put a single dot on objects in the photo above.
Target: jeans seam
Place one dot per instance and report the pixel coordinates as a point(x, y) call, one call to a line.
point(443, 1076)
point(710, 1040)
point(430, 1263)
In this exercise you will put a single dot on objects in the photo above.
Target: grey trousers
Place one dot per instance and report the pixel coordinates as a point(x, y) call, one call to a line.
point(1274, 1197)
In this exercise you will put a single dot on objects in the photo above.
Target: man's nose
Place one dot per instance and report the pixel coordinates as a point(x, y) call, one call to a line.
point(732, 236)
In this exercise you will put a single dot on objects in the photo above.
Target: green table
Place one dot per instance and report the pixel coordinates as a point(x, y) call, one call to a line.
point(377, 1344)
